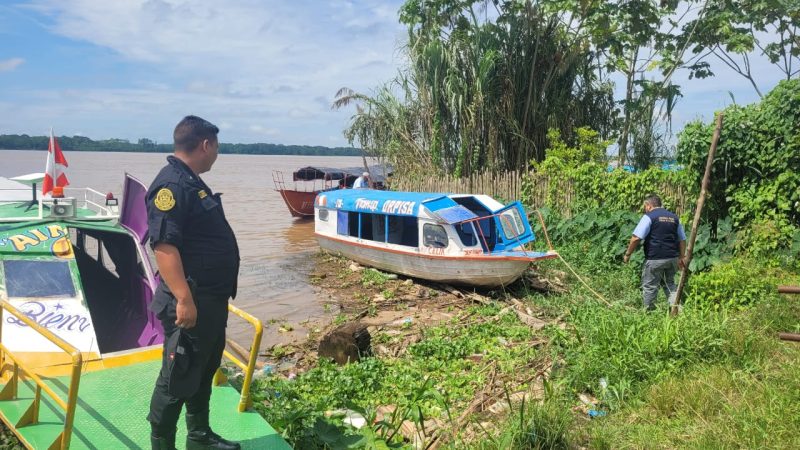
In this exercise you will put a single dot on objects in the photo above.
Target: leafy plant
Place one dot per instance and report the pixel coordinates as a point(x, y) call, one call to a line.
point(757, 162)
point(735, 284)
point(372, 277)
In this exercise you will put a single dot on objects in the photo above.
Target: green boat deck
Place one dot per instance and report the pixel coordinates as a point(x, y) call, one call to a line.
point(112, 409)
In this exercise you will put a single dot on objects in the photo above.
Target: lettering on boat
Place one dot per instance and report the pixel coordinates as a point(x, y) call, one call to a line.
point(398, 207)
point(473, 251)
point(60, 246)
point(362, 203)
point(435, 250)
point(52, 316)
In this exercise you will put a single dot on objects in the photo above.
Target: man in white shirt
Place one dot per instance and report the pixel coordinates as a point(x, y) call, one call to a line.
point(362, 182)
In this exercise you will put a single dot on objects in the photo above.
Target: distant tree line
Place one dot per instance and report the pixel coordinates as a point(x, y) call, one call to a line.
point(84, 144)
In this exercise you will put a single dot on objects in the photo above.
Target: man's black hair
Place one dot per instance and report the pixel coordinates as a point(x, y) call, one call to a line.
point(191, 131)
point(653, 200)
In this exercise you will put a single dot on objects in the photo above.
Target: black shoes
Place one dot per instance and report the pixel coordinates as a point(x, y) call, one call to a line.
point(197, 440)
point(200, 436)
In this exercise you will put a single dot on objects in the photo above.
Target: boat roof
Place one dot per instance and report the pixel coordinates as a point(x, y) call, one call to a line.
point(439, 206)
point(378, 171)
point(13, 191)
point(18, 209)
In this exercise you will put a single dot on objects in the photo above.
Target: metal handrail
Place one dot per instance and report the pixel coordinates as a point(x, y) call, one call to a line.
point(249, 368)
point(75, 377)
point(86, 198)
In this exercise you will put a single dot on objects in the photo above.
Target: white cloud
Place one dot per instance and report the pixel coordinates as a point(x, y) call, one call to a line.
point(252, 59)
point(7, 65)
point(262, 130)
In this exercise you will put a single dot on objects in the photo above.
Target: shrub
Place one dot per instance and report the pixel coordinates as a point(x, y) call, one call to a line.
point(606, 233)
point(735, 284)
point(757, 161)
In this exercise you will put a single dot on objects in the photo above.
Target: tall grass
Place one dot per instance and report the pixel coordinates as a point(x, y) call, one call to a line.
point(709, 378)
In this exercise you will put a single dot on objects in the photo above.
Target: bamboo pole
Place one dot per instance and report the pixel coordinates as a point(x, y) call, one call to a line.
point(789, 337)
point(701, 201)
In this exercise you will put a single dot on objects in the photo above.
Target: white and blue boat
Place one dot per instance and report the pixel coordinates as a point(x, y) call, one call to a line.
point(449, 238)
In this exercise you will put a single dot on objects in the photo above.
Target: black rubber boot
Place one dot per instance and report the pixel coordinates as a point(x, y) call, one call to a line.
point(162, 443)
point(200, 437)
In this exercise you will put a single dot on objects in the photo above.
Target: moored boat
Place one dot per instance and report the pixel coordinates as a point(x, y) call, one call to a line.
point(76, 280)
point(307, 182)
point(449, 238)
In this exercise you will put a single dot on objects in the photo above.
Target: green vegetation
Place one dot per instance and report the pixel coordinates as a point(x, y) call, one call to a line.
point(485, 81)
point(81, 143)
point(757, 167)
point(8, 441)
point(715, 369)
point(714, 376)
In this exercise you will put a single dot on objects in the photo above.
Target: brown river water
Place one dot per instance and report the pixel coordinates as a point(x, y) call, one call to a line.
point(276, 249)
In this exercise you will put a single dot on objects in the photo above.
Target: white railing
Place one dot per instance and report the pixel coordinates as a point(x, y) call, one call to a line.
point(85, 199)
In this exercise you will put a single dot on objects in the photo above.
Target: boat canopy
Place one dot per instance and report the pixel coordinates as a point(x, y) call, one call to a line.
point(506, 226)
point(379, 173)
point(376, 201)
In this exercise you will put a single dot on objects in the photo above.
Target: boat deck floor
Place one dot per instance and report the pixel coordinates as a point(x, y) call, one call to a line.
point(112, 410)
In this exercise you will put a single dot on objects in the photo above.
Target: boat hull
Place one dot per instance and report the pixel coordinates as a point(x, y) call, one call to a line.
point(483, 271)
point(300, 203)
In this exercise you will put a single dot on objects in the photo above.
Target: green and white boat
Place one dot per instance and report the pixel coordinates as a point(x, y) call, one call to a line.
point(79, 349)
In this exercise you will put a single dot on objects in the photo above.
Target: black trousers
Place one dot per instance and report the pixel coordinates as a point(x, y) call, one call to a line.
point(208, 336)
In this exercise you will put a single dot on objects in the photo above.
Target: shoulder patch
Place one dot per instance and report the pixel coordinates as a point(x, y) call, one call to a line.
point(202, 194)
point(164, 199)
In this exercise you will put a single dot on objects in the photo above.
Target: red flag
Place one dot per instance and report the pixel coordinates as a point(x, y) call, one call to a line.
point(56, 164)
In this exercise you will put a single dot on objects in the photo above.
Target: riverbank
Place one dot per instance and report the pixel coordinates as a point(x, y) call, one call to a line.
point(446, 363)
point(540, 365)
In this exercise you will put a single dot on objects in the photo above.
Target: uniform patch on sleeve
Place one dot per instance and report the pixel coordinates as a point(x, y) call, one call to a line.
point(202, 194)
point(164, 200)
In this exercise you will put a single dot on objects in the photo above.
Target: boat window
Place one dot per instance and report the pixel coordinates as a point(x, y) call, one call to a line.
point(434, 236)
point(378, 227)
point(323, 214)
point(403, 230)
point(466, 232)
point(353, 221)
point(343, 223)
point(485, 227)
point(24, 278)
point(367, 230)
point(512, 224)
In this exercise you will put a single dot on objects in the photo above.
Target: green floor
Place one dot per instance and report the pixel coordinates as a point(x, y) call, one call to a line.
point(113, 405)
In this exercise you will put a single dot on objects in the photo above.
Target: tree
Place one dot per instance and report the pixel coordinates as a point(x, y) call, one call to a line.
point(481, 89)
point(732, 30)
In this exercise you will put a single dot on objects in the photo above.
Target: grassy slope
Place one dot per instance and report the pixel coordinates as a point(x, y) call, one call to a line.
point(705, 380)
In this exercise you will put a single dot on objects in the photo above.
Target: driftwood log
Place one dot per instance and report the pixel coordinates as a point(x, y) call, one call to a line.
point(345, 344)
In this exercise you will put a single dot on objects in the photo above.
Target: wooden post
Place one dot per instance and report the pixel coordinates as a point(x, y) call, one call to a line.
point(701, 201)
point(789, 337)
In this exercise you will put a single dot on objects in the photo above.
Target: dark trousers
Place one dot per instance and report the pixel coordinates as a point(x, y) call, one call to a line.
point(208, 336)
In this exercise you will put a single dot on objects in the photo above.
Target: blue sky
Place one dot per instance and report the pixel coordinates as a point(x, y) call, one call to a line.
point(264, 71)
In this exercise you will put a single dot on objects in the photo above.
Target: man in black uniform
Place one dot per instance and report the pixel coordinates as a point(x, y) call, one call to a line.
point(198, 261)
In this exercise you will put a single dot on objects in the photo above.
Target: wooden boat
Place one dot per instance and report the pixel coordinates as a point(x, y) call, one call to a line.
point(449, 238)
point(307, 182)
point(76, 280)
